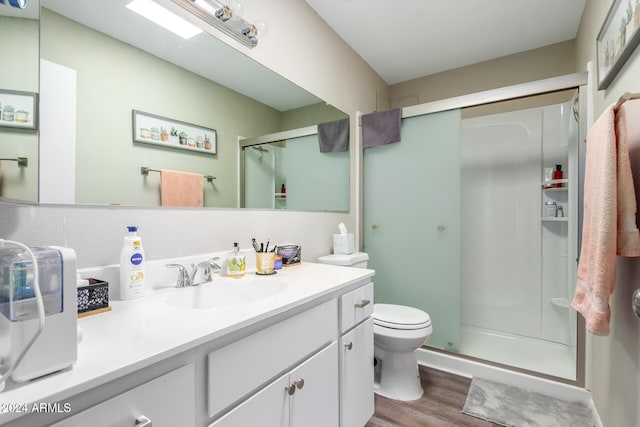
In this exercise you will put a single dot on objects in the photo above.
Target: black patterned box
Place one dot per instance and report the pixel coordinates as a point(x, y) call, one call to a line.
point(94, 296)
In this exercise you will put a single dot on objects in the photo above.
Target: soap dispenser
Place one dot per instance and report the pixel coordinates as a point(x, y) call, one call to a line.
point(236, 263)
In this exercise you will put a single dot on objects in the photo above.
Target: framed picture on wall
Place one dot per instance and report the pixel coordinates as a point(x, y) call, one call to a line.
point(18, 109)
point(157, 130)
point(617, 39)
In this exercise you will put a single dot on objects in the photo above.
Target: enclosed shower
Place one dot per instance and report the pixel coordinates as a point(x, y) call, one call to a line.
point(466, 220)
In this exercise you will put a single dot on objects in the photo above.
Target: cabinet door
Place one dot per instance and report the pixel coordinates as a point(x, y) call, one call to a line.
point(166, 401)
point(356, 375)
point(267, 408)
point(316, 403)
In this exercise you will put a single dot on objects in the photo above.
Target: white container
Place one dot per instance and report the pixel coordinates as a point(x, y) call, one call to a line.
point(344, 244)
point(132, 266)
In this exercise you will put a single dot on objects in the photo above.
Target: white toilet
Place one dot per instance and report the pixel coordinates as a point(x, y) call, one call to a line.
point(398, 331)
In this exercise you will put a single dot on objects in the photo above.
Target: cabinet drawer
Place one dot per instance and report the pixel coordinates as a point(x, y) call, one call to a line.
point(166, 401)
point(241, 367)
point(356, 306)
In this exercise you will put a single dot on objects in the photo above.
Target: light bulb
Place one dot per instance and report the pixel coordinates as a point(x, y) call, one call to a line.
point(237, 9)
point(261, 28)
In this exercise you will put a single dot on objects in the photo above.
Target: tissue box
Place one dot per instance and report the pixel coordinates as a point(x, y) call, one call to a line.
point(93, 298)
point(344, 244)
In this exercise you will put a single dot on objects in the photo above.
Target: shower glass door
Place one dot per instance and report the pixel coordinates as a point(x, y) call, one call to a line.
point(412, 221)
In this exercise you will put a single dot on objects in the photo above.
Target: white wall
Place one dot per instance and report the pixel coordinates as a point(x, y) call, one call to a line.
point(613, 375)
point(302, 48)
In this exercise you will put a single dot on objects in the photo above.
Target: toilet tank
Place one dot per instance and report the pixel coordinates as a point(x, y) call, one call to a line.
point(356, 259)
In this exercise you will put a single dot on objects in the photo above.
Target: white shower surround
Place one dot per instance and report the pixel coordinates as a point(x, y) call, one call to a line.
point(513, 263)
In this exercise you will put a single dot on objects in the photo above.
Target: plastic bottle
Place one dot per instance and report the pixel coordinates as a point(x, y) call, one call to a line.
point(557, 174)
point(132, 266)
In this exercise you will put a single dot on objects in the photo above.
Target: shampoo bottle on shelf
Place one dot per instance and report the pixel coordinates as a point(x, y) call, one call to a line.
point(132, 266)
point(557, 174)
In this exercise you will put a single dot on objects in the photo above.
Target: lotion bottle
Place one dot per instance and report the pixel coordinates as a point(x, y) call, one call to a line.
point(132, 266)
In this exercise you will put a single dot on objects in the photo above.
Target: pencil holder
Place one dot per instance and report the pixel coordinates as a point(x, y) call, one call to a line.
point(265, 262)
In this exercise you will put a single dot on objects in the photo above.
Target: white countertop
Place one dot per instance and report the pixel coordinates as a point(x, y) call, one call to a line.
point(138, 333)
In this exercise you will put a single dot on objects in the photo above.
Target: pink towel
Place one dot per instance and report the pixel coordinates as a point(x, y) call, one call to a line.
point(609, 204)
point(181, 188)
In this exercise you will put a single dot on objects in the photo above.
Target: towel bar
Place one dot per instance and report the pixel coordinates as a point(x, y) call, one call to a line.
point(627, 96)
point(145, 171)
point(23, 162)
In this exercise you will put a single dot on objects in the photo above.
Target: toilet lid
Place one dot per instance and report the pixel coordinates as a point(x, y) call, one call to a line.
point(400, 317)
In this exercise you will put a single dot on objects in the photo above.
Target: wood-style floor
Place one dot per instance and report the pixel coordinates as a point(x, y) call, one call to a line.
point(440, 406)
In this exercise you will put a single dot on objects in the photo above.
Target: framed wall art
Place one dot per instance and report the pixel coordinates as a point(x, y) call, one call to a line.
point(18, 109)
point(617, 39)
point(157, 130)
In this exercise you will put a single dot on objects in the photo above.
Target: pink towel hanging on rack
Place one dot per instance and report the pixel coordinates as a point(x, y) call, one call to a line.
point(181, 189)
point(609, 226)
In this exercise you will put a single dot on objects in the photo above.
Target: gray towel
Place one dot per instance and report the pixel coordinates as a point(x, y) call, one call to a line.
point(381, 128)
point(334, 136)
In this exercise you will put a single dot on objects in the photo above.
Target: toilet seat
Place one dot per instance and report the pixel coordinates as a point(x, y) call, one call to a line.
point(400, 317)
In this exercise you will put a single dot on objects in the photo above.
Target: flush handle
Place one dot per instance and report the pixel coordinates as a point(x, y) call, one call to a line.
point(364, 303)
point(635, 302)
point(143, 421)
point(349, 345)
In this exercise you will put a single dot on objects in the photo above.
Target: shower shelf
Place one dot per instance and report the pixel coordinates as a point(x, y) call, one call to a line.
point(555, 219)
point(555, 181)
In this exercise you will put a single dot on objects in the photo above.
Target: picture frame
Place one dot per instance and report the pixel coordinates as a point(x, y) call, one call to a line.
point(617, 39)
point(161, 131)
point(18, 109)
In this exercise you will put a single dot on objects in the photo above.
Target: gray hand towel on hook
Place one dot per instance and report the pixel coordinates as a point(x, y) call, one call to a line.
point(381, 128)
point(334, 136)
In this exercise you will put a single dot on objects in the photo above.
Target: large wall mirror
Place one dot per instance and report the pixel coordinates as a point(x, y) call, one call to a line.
point(19, 47)
point(100, 61)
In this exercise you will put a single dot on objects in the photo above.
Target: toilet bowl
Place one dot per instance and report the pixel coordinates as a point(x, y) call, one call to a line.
point(398, 331)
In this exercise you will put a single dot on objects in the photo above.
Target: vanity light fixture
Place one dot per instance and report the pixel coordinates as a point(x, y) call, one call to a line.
point(165, 18)
point(226, 16)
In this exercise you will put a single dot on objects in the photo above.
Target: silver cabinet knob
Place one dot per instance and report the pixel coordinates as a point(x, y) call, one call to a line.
point(299, 383)
point(290, 389)
point(374, 226)
point(349, 345)
point(143, 421)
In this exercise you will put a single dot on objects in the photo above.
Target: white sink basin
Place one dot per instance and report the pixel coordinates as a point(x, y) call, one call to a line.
point(226, 292)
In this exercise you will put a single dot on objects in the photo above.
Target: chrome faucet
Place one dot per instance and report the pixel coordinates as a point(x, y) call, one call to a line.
point(201, 273)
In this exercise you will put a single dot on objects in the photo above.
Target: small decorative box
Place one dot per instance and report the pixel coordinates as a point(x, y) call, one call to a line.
point(93, 298)
point(291, 254)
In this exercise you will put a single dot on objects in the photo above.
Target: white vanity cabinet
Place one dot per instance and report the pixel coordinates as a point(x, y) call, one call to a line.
point(305, 361)
point(168, 400)
point(356, 357)
point(304, 397)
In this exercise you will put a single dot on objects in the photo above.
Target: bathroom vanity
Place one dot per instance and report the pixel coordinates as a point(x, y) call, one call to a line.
point(301, 355)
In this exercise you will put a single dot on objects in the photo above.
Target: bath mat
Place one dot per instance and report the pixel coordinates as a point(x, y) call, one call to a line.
point(515, 407)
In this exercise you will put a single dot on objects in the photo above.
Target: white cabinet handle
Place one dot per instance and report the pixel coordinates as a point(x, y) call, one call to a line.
point(364, 303)
point(299, 383)
point(143, 421)
point(349, 345)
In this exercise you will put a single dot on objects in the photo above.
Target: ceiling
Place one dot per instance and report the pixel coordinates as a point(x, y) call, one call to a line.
point(408, 39)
